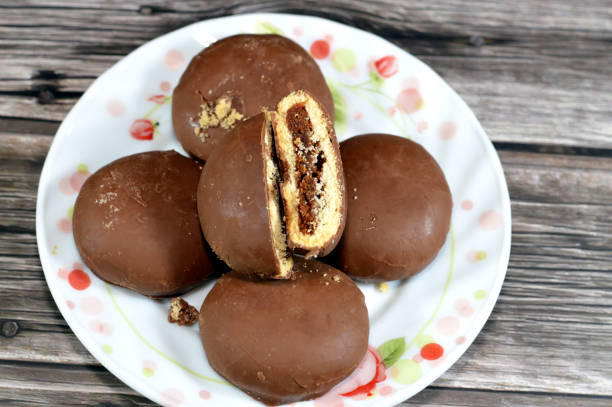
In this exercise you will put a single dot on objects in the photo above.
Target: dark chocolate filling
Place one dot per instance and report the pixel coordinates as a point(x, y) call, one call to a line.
point(309, 165)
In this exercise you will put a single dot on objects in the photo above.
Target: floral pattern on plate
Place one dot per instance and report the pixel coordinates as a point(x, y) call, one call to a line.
point(419, 327)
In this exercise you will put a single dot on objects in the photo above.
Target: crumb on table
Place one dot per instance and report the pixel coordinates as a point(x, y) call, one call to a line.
point(181, 312)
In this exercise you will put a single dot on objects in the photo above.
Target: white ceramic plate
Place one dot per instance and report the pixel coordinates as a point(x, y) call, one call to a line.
point(421, 326)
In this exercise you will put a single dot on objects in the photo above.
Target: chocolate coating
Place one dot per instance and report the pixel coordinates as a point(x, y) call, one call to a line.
point(286, 340)
point(399, 208)
point(233, 201)
point(254, 71)
point(135, 224)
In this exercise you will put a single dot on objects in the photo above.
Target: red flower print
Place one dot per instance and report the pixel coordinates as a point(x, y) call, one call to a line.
point(422, 126)
point(379, 376)
point(142, 129)
point(78, 178)
point(432, 351)
point(165, 86)
point(410, 100)
point(320, 49)
point(73, 183)
point(386, 66)
point(65, 225)
point(298, 31)
point(79, 280)
point(159, 99)
point(447, 130)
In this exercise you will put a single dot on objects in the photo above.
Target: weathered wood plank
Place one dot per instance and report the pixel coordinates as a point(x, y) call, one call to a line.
point(72, 68)
point(43, 384)
point(554, 179)
point(26, 148)
point(592, 15)
point(61, 377)
point(555, 299)
point(533, 72)
point(558, 335)
point(30, 107)
point(542, 178)
point(551, 323)
point(546, 102)
point(12, 127)
point(445, 397)
point(53, 384)
point(530, 71)
point(45, 346)
point(16, 397)
point(433, 396)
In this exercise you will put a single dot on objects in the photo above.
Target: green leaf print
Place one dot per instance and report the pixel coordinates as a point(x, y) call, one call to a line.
point(339, 108)
point(343, 59)
point(392, 350)
point(375, 80)
point(261, 27)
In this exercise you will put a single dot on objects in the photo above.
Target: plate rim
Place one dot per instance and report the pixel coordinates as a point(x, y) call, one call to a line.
point(401, 394)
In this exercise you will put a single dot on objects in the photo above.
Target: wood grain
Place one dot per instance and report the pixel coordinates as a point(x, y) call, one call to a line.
point(38, 384)
point(537, 74)
point(533, 72)
point(555, 298)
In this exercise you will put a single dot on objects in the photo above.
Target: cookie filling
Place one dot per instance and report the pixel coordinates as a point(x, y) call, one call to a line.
point(308, 167)
point(311, 187)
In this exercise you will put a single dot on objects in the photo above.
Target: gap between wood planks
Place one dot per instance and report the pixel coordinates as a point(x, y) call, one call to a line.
point(540, 69)
point(74, 370)
point(572, 258)
point(11, 128)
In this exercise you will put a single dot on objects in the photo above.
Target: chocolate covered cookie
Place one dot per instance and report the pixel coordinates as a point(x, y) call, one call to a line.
point(274, 186)
point(399, 208)
point(285, 341)
point(135, 224)
point(233, 79)
point(238, 202)
point(312, 181)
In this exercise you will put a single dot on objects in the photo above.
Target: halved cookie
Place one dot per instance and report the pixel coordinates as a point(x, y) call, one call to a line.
point(312, 181)
point(238, 202)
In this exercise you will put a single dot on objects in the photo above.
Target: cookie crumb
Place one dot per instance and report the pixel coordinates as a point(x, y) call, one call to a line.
point(182, 313)
point(261, 376)
point(382, 287)
point(216, 114)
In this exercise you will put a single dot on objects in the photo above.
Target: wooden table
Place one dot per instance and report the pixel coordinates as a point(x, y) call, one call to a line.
point(538, 74)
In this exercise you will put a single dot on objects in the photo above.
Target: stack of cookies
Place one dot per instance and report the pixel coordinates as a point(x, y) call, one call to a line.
point(267, 190)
